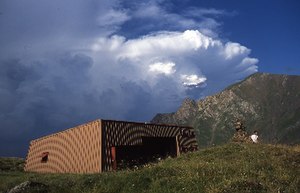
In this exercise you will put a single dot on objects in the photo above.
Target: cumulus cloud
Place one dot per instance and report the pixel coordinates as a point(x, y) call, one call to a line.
point(192, 58)
point(83, 66)
point(166, 44)
point(162, 68)
point(234, 49)
point(192, 80)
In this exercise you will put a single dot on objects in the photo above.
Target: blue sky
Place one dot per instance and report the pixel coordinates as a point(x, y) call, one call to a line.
point(63, 63)
point(270, 29)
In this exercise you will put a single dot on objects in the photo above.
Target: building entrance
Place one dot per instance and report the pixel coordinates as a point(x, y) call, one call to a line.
point(152, 149)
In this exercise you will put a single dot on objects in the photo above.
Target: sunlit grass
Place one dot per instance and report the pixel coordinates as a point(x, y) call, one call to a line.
point(228, 168)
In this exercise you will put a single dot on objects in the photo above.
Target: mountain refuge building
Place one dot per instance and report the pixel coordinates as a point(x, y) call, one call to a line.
point(107, 145)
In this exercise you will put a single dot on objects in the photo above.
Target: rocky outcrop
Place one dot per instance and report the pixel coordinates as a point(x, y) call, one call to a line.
point(185, 113)
point(29, 187)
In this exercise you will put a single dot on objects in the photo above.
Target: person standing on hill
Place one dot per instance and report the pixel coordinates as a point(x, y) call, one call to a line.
point(254, 137)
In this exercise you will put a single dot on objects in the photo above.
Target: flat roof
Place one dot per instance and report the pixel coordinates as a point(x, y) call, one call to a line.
point(107, 120)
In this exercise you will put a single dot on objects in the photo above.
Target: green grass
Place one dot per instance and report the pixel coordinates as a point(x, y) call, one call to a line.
point(231, 168)
point(11, 164)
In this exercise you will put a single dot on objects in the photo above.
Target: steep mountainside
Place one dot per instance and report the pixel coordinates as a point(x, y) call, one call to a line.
point(264, 102)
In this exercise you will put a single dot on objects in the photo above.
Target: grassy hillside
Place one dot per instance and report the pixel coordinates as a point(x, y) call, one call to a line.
point(11, 164)
point(229, 168)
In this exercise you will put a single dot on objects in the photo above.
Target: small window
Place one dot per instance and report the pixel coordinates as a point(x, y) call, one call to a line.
point(44, 157)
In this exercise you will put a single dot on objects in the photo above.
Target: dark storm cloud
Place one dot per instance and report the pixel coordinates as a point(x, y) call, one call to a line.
point(38, 96)
point(30, 28)
point(63, 63)
point(49, 95)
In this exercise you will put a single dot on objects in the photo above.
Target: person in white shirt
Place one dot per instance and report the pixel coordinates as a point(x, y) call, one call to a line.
point(254, 137)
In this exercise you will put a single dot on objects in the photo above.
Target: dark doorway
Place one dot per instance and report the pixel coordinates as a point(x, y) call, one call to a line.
point(151, 150)
point(160, 146)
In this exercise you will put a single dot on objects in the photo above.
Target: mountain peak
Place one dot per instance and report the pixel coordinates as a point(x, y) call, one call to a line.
point(269, 103)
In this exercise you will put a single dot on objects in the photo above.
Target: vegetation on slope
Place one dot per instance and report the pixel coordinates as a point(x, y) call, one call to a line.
point(265, 102)
point(228, 168)
point(11, 164)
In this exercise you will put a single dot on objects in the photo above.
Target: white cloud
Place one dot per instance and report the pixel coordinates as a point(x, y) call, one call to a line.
point(249, 61)
point(166, 44)
point(162, 68)
point(234, 49)
point(198, 58)
point(192, 80)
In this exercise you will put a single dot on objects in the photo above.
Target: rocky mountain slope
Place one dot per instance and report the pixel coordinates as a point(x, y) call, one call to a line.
point(265, 102)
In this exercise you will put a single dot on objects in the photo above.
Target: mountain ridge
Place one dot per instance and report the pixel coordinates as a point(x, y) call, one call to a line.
point(269, 103)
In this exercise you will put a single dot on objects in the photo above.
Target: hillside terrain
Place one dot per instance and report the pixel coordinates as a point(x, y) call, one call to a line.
point(14, 164)
point(231, 168)
point(265, 102)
